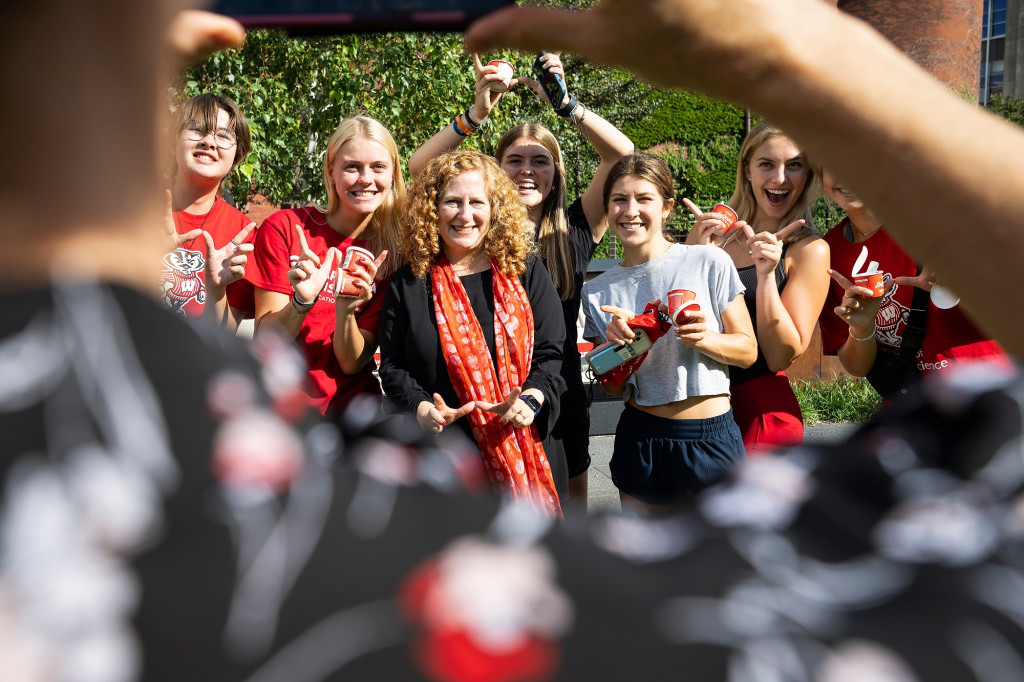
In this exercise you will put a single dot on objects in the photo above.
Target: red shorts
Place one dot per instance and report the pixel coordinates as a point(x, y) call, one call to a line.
point(767, 413)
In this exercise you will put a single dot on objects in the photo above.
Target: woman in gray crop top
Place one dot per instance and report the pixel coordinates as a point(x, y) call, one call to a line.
point(676, 433)
point(784, 265)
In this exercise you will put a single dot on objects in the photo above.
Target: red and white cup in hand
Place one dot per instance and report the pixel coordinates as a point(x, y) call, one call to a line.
point(680, 303)
point(356, 258)
point(873, 281)
point(726, 211)
point(506, 71)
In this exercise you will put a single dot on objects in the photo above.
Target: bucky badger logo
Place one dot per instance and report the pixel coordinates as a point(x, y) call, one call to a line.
point(181, 281)
point(892, 318)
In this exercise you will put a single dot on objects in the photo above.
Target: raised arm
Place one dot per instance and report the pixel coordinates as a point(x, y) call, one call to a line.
point(610, 143)
point(453, 134)
point(926, 162)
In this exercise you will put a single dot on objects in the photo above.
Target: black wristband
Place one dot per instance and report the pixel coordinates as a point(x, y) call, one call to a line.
point(532, 402)
point(569, 106)
point(296, 301)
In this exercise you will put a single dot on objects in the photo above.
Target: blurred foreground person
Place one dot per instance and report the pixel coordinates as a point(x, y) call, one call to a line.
point(167, 524)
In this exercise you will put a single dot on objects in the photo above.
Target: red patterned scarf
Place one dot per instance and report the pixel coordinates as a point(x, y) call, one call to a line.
point(514, 458)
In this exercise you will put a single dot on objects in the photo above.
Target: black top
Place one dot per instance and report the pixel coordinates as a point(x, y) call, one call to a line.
point(412, 367)
point(748, 275)
point(583, 247)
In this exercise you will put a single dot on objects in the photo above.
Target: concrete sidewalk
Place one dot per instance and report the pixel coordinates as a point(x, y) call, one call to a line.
point(603, 496)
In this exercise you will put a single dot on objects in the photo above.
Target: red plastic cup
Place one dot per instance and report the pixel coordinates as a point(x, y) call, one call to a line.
point(727, 211)
point(506, 71)
point(873, 282)
point(356, 257)
point(679, 304)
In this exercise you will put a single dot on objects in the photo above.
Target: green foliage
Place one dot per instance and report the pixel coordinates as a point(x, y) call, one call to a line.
point(827, 214)
point(295, 91)
point(1010, 108)
point(844, 399)
point(686, 118)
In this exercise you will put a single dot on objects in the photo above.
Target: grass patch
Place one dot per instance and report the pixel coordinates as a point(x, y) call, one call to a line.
point(843, 399)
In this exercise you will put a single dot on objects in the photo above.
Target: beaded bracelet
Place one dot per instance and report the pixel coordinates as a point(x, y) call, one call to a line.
point(473, 124)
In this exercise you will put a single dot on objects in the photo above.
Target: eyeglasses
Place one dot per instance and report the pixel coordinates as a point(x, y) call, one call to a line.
point(224, 138)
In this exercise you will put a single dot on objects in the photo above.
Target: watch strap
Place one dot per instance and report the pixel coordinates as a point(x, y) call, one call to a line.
point(531, 401)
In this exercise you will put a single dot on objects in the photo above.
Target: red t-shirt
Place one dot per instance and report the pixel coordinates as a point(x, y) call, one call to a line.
point(182, 282)
point(330, 389)
point(949, 335)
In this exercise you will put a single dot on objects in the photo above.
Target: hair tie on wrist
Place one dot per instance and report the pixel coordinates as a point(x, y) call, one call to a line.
point(299, 307)
point(866, 338)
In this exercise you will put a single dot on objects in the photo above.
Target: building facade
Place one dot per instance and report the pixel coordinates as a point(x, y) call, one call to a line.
point(943, 36)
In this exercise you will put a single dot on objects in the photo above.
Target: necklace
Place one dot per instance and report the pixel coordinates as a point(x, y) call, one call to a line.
point(864, 236)
point(177, 221)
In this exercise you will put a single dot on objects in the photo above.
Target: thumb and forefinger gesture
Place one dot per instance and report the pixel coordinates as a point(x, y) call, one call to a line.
point(765, 248)
point(486, 76)
point(434, 417)
point(227, 264)
point(709, 227)
point(310, 274)
point(175, 240)
point(858, 309)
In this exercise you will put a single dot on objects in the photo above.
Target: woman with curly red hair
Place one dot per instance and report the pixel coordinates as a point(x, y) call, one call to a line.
point(472, 326)
point(566, 234)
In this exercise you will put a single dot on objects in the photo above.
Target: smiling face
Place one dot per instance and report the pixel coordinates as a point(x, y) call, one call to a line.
point(636, 212)
point(202, 161)
point(777, 172)
point(362, 173)
point(464, 216)
point(531, 167)
point(847, 200)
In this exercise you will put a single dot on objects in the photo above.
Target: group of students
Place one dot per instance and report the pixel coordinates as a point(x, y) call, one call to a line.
point(482, 259)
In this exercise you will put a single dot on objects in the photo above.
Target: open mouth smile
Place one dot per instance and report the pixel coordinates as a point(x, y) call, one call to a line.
point(777, 197)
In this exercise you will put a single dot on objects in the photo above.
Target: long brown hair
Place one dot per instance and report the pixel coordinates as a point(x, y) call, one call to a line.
point(553, 232)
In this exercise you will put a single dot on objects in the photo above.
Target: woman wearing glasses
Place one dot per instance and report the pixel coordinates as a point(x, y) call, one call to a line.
point(211, 240)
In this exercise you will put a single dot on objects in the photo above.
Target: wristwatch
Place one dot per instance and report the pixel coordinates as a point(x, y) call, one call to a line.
point(533, 403)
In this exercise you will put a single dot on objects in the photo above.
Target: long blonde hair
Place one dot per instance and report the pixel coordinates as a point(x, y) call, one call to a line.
point(553, 244)
point(744, 202)
point(385, 224)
